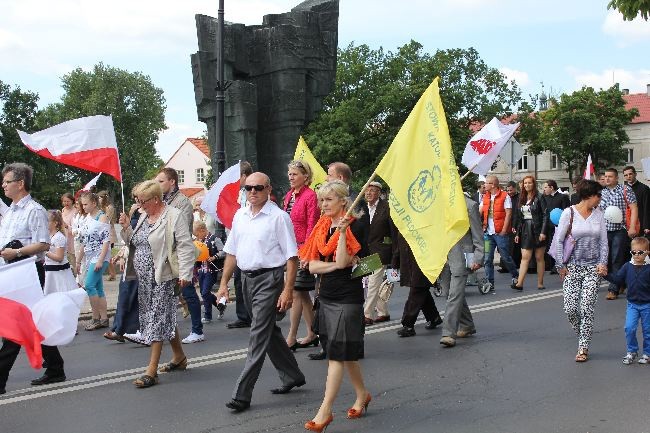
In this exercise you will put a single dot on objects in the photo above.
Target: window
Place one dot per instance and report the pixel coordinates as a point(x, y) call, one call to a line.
point(200, 175)
point(629, 158)
point(523, 162)
point(181, 176)
point(555, 162)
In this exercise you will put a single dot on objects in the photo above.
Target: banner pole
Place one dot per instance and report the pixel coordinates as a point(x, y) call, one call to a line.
point(468, 172)
point(123, 204)
point(363, 189)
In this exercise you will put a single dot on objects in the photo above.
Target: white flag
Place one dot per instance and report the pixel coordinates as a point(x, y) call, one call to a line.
point(589, 168)
point(484, 147)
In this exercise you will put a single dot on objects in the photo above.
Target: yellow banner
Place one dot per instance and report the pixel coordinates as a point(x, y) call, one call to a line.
point(426, 198)
point(303, 153)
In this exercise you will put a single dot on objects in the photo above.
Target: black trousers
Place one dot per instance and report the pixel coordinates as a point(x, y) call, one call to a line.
point(9, 351)
point(420, 299)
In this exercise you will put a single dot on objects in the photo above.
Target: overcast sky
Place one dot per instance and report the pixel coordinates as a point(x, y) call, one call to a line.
point(564, 44)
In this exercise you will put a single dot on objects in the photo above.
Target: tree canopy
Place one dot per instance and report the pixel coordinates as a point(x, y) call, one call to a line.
point(376, 90)
point(631, 8)
point(581, 123)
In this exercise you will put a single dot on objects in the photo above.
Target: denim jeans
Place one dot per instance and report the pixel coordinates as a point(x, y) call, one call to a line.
point(193, 304)
point(634, 313)
point(619, 247)
point(206, 282)
point(502, 243)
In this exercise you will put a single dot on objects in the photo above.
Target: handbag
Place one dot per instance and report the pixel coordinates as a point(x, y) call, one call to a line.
point(305, 280)
point(568, 245)
point(386, 290)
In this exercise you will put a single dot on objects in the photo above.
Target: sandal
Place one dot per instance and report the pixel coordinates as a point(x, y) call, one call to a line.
point(171, 366)
point(145, 381)
point(582, 355)
point(92, 325)
point(113, 336)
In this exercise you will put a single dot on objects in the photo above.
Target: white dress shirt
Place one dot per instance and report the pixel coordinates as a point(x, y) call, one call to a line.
point(26, 221)
point(372, 209)
point(264, 240)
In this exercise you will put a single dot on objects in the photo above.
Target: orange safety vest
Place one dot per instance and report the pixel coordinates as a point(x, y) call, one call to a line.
point(499, 210)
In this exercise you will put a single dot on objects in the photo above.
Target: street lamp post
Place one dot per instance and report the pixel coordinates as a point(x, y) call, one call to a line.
point(222, 85)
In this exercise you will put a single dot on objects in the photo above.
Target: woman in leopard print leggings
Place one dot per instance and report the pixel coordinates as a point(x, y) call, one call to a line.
point(588, 261)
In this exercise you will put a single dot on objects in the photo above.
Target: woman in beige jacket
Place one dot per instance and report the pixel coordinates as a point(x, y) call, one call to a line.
point(161, 257)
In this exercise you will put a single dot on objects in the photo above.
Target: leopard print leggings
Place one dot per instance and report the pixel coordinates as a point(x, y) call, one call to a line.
point(580, 295)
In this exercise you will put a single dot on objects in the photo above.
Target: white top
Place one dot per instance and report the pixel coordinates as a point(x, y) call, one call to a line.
point(26, 221)
point(372, 209)
point(264, 240)
point(78, 226)
point(57, 241)
point(507, 204)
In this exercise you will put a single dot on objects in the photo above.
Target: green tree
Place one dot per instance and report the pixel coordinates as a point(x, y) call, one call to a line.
point(631, 8)
point(136, 106)
point(584, 122)
point(376, 90)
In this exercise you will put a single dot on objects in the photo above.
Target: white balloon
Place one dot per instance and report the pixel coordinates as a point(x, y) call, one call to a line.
point(614, 215)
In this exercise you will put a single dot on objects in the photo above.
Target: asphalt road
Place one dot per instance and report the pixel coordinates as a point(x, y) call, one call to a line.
point(517, 374)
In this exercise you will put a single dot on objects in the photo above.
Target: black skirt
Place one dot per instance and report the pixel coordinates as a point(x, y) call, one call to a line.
point(528, 240)
point(341, 330)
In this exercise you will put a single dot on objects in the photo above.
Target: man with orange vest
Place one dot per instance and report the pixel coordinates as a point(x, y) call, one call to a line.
point(497, 215)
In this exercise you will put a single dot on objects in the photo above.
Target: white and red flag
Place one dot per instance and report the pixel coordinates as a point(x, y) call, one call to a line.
point(221, 201)
point(28, 317)
point(589, 169)
point(87, 186)
point(484, 147)
point(87, 142)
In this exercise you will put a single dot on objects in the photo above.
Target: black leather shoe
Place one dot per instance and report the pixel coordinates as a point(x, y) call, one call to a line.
point(406, 332)
point(238, 324)
point(2, 391)
point(287, 388)
point(238, 405)
point(317, 356)
point(433, 323)
point(45, 379)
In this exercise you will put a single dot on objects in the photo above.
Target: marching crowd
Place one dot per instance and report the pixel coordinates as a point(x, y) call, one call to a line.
point(297, 257)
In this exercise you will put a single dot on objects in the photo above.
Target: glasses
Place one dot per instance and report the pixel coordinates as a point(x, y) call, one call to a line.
point(7, 182)
point(257, 188)
point(141, 202)
point(637, 252)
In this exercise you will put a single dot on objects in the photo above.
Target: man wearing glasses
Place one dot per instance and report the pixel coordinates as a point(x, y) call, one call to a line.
point(25, 221)
point(261, 243)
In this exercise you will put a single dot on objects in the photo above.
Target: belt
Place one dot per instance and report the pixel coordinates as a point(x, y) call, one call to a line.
point(57, 267)
point(257, 272)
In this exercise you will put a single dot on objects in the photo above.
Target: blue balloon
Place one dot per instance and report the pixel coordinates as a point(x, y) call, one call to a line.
point(555, 216)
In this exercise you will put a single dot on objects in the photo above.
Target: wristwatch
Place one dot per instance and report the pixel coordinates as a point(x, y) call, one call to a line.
point(19, 253)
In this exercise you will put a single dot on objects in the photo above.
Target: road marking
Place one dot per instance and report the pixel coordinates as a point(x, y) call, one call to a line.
point(223, 357)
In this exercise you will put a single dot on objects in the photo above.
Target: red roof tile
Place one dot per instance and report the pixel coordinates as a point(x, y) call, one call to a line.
point(190, 192)
point(201, 144)
point(640, 101)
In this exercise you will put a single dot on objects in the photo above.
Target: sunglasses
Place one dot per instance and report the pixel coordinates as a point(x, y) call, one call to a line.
point(257, 188)
point(637, 252)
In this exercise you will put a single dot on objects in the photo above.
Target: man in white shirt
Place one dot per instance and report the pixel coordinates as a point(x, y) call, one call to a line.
point(25, 221)
point(260, 243)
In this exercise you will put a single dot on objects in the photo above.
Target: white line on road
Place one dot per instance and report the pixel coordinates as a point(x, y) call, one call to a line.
point(222, 357)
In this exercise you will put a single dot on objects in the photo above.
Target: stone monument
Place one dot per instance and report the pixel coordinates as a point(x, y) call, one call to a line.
point(280, 72)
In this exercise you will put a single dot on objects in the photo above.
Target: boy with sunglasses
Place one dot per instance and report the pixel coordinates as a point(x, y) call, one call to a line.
point(636, 276)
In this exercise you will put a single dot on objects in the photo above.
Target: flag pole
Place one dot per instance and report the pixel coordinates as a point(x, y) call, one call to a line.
point(363, 189)
point(468, 172)
point(123, 204)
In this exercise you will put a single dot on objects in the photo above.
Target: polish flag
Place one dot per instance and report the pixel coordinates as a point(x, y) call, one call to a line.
point(89, 185)
point(484, 147)
point(29, 318)
point(221, 201)
point(87, 142)
point(589, 169)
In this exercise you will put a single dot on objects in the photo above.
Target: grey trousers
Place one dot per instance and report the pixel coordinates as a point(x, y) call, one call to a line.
point(457, 314)
point(261, 295)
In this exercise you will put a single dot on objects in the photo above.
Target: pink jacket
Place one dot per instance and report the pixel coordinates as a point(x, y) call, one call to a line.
point(304, 213)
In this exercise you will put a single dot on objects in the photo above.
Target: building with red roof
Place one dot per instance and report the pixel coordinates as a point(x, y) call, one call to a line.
point(548, 166)
point(192, 161)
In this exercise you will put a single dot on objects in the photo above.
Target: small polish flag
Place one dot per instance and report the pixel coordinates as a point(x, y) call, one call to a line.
point(87, 186)
point(88, 143)
point(589, 169)
point(28, 317)
point(221, 200)
point(484, 147)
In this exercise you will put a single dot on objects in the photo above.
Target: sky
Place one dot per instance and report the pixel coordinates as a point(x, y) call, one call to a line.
point(562, 44)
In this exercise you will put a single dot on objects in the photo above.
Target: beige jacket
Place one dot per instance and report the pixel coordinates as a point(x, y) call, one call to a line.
point(171, 245)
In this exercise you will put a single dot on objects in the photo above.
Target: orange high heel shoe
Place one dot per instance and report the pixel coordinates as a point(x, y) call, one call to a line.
point(319, 428)
point(353, 413)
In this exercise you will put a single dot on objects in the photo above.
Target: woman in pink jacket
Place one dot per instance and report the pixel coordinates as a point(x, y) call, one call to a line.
point(302, 206)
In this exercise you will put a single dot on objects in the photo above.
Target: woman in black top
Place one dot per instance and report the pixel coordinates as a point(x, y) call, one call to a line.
point(532, 221)
point(331, 250)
